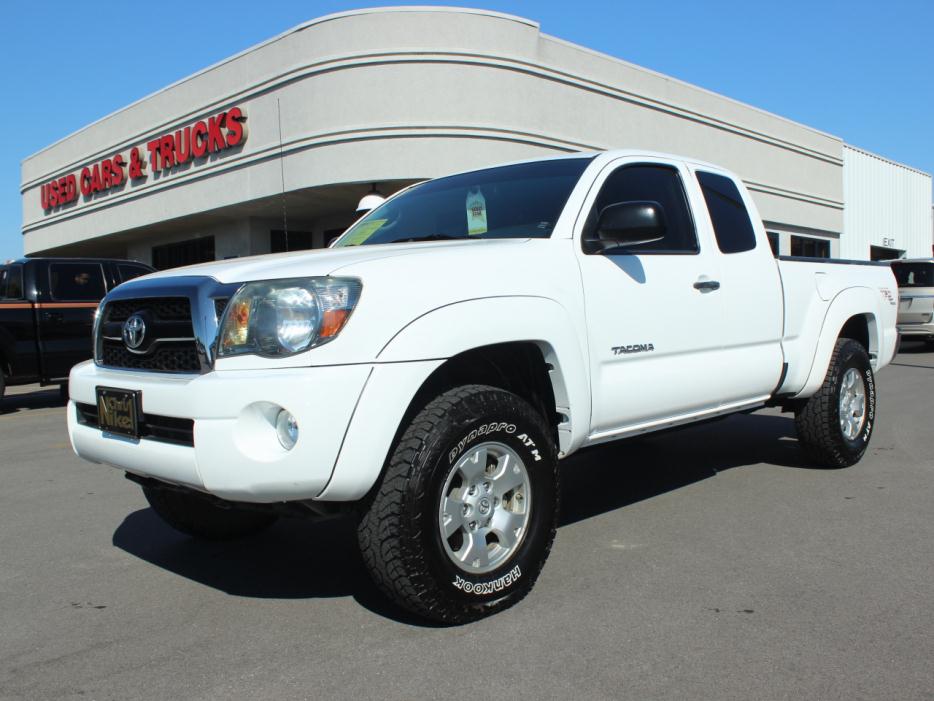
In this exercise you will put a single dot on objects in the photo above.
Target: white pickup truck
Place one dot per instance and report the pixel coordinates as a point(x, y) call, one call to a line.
point(429, 370)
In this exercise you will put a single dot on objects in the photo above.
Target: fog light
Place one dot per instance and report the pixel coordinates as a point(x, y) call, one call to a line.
point(286, 429)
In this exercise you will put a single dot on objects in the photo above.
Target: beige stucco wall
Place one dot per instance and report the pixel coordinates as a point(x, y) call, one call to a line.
point(414, 93)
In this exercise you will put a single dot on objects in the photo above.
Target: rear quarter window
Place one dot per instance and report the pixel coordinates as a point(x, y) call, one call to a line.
point(731, 223)
point(76, 282)
point(914, 274)
point(128, 271)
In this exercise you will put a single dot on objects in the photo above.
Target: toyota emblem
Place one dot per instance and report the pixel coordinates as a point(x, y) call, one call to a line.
point(134, 330)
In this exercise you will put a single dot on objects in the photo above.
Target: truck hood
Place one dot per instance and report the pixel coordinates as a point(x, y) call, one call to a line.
point(327, 261)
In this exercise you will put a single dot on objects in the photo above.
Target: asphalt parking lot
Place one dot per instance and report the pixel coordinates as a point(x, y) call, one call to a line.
point(708, 563)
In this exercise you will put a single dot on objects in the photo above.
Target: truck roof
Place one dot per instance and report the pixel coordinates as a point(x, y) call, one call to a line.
point(608, 154)
point(72, 259)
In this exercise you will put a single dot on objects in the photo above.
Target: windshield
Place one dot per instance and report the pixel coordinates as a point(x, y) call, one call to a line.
point(914, 274)
point(509, 202)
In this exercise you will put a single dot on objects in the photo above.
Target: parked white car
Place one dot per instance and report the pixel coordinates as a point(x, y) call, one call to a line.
point(429, 371)
point(916, 298)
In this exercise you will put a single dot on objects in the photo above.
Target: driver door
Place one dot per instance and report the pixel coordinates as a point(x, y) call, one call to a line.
point(654, 314)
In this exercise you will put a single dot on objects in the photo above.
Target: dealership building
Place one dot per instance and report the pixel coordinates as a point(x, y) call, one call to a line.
point(272, 149)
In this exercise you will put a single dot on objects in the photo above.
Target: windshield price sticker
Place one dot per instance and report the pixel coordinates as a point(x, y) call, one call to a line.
point(363, 231)
point(476, 213)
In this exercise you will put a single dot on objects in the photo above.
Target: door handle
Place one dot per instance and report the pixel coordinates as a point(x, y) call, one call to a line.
point(706, 285)
point(54, 317)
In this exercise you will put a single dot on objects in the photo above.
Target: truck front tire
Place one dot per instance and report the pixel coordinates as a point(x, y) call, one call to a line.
point(464, 517)
point(199, 518)
point(836, 423)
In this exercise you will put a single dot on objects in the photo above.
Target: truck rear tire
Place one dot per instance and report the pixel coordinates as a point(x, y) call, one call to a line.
point(198, 517)
point(463, 520)
point(836, 423)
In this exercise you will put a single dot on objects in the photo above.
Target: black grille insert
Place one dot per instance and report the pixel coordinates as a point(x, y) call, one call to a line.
point(165, 429)
point(161, 308)
point(168, 344)
point(181, 356)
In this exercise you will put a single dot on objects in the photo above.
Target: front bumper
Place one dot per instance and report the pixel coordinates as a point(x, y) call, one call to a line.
point(236, 454)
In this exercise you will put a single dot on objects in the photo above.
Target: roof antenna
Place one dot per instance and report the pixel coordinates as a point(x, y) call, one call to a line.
point(285, 220)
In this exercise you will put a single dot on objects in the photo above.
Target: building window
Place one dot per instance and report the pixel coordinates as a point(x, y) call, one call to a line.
point(279, 242)
point(882, 253)
point(773, 242)
point(807, 247)
point(173, 255)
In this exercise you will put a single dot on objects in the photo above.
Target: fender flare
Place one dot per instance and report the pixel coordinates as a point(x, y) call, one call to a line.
point(853, 301)
point(419, 348)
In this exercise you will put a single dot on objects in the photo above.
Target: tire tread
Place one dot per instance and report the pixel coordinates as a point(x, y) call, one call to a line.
point(385, 544)
point(817, 431)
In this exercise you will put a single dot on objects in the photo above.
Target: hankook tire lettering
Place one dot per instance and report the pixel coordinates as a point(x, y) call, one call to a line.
point(481, 588)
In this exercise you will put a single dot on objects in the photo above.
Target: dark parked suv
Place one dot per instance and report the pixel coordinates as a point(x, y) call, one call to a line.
point(47, 311)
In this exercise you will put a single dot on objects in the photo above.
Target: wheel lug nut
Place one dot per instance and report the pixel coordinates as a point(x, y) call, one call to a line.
point(486, 486)
point(465, 509)
point(473, 525)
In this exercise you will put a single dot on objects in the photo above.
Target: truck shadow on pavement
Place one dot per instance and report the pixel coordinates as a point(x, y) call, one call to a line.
point(915, 354)
point(319, 559)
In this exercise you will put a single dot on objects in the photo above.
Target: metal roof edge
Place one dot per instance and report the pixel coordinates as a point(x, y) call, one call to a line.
point(298, 28)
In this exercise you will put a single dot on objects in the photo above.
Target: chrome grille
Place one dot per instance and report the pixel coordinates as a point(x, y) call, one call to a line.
point(180, 315)
point(220, 305)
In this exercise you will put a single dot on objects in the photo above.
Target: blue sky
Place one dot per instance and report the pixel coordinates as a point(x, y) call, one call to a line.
point(860, 70)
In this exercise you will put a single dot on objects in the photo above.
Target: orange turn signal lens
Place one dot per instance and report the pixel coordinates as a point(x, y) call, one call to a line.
point(332, 321)
point(237, 328)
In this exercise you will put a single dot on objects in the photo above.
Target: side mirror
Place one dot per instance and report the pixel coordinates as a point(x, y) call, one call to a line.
point(628, 224)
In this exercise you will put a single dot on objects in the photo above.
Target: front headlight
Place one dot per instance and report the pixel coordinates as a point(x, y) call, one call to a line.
point(276, 318)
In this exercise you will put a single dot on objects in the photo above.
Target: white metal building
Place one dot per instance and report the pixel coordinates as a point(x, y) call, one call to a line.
point(887, 208)
point(293, 132)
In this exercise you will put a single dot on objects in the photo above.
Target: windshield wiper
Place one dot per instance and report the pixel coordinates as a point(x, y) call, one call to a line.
point(430, 237)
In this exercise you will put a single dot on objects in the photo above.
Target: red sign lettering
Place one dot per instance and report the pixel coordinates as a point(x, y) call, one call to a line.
point(219, 132)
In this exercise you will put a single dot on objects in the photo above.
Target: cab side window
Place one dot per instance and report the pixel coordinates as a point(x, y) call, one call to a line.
point(731, 223)
point(77, 282)
point(11, 282)
point(654, 183)
point(128, 272)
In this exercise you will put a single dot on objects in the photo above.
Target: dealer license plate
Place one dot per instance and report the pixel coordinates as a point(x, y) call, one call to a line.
point(118, 411)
